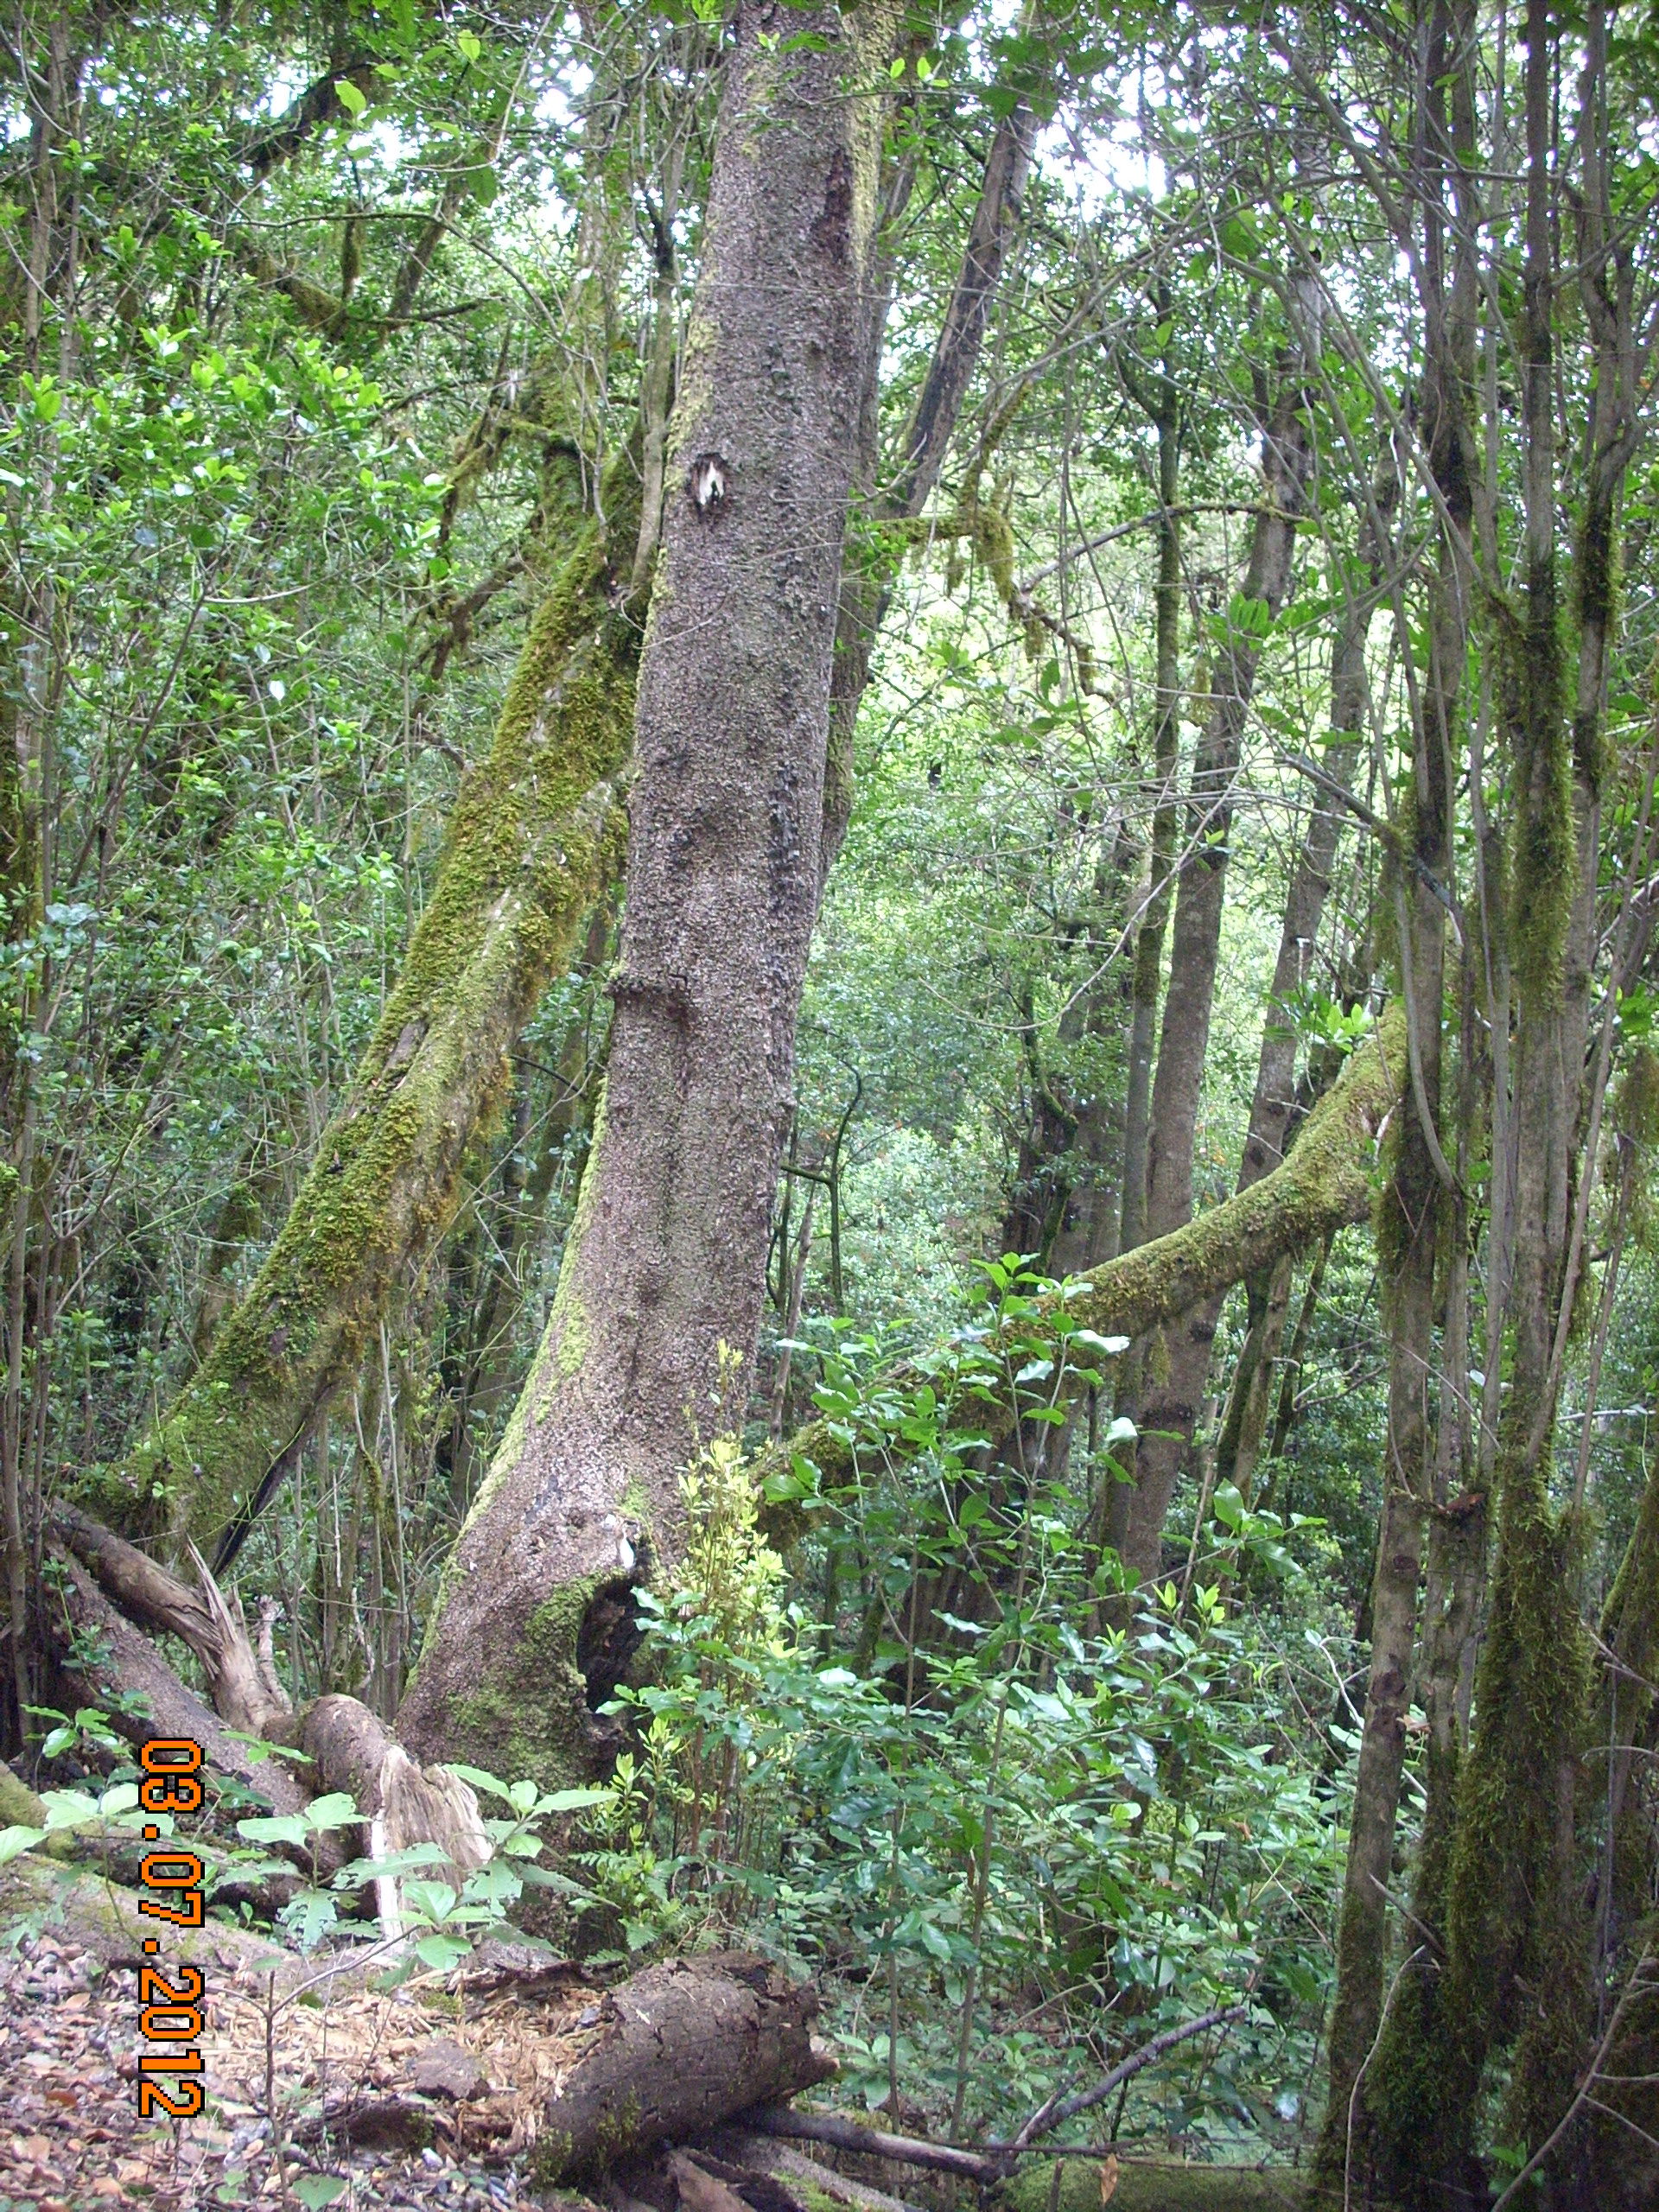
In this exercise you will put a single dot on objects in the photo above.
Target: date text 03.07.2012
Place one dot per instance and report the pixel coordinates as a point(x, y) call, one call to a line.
point(170, 2016)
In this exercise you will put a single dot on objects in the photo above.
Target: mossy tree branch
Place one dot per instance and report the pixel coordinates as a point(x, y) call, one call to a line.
point(537, 834)
point(1324, 1184)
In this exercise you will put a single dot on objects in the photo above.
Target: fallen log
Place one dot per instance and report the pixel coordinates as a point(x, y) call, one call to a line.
point(679, 2048)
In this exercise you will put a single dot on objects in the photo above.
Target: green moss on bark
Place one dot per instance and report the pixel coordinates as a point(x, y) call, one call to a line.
point(527, 1715)
point(1513, 1971)
point(538, 831)
point(1543, 850)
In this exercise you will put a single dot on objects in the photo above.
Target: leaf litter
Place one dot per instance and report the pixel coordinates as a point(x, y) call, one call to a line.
point(424, 2096)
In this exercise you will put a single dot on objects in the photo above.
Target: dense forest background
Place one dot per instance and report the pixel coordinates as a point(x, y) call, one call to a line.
point(1237, 850)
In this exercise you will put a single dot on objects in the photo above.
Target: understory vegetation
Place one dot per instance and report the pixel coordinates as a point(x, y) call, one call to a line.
point(1241, 721)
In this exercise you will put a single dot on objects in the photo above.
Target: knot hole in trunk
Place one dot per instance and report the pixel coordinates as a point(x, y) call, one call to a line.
point(610, 1634)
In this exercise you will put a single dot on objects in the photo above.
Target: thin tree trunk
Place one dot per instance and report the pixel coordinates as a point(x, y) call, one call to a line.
point(865, 591)
point(1169, 1407)
point(1273, 1106)
point(1409, 1229)
point(1148, 986)
point(666, 1260)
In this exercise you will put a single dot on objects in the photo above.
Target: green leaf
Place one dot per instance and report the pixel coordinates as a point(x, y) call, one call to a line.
point(490, 1783)
point(315, 2191)
point(1229, 1505)
point(69, 1808)
point(337, 1810)
point(276, 1827)
point(574, 1801)
point(353, 102)
point(361, 1872)
point(442, 1951)
point(469, 45)
point(15, 1841)
point(308, 1916)
point(935, 1940)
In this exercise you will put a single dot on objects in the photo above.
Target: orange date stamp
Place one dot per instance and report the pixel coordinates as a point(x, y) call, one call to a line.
point(170, 2002)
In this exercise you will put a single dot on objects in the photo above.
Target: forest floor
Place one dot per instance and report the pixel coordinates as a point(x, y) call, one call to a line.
point(429, 2093)
point(392, 2068)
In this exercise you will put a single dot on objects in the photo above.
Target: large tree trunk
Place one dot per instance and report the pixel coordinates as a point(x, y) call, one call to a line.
point(666, 1259)
point(538, 836)
point(1271, 1108)
point(538, 832)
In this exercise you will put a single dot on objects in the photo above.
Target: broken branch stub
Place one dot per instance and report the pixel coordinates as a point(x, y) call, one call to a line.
point(683, 2046)
point(402, 1804)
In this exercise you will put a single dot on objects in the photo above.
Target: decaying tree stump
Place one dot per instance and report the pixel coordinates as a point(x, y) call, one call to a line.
point(401, 1803)
point(685, 2045)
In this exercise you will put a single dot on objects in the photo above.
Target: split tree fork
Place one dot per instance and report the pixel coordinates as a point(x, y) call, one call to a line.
point(576, 1476)
point(538, 833)
point(537, 837)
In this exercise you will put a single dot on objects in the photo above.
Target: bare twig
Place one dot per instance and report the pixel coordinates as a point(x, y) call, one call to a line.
point(1055, 2114)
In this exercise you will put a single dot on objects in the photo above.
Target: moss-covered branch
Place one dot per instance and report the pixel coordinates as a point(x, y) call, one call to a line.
point(538, 833)
point(1324, 1184)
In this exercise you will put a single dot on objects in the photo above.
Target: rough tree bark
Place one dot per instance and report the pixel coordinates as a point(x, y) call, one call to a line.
point(666, 1259)
point(676, 2050)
